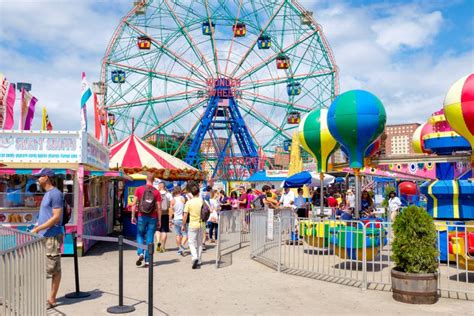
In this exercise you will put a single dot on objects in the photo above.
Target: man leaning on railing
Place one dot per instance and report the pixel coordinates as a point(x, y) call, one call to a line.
point(49, 226)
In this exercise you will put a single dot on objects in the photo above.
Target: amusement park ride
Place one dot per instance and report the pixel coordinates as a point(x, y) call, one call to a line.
point(239, 70)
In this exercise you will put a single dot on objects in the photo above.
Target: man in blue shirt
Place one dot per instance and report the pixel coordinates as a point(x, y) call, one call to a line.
point(300, 203)
point(49, 226)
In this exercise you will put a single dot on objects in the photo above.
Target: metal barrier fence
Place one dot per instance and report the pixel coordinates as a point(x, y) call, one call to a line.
point(233, 230)
point(22, 273)
point(356, 253)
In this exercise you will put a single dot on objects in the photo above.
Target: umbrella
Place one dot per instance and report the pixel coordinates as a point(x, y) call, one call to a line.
point(133, 155)
point(307, 178)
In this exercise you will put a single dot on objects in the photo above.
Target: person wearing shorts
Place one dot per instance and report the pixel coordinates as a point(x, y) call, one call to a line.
point(165, 217)
point(177, 208)
point(49, 226)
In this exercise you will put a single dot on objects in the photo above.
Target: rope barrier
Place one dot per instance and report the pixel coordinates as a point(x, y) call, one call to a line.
point(120, 308)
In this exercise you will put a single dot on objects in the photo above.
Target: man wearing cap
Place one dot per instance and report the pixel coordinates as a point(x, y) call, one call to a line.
point(49, 226)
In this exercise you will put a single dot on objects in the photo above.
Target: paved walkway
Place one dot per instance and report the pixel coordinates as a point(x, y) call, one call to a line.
point(241, 287)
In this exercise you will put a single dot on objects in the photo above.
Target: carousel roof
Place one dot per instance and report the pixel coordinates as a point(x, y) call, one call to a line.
point(134, 155)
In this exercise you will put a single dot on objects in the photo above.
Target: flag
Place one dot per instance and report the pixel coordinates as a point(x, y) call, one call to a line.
point(31, 101)
point(27, 110)
point(10, 103)
point(86, 93)
point(98, 129)
point(3, 98)
point(46, 123)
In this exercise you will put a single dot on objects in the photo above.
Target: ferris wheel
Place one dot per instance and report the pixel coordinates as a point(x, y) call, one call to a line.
point(215, 80)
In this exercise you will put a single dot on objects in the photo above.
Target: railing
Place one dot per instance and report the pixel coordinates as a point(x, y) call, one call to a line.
point(233, 231)
point(356, 253)
point(22, 273)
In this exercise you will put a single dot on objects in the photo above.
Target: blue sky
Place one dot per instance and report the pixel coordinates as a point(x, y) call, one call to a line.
point(406, 52)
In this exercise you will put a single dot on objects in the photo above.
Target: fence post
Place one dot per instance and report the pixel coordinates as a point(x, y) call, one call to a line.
point(364, 256)
point(241, 226)
point(279, 244)
point(150, 279)
point(120, 308)
point(77, 293)
point(218, 255)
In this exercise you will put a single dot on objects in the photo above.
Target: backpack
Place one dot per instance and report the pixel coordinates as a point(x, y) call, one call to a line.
point(67, 212)
point(165, 204)
point(148, 201)
point(258, 202)
point(205, 211)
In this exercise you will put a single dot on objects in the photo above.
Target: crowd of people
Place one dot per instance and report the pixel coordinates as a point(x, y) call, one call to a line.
point(192, 213)
point(181, 211)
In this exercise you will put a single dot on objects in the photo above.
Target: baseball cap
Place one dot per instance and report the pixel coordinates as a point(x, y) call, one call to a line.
point(44, 172)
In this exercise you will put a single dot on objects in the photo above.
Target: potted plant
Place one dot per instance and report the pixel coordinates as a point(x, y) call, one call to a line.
point(415, 277)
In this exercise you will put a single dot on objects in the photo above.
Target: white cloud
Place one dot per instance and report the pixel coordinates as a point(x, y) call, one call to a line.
point(390, 51)
point(367, 43)
point(407, 28)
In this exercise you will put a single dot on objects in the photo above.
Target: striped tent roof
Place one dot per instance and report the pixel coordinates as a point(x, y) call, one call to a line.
point(134, 155)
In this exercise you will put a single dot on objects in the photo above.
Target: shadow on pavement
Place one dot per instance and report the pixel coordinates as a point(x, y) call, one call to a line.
point(461, 277)
point(164, 262)
point(94, 294)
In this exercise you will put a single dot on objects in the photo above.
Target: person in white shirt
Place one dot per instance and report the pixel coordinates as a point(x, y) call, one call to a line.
point(288, 198)
point(394, 204)
point(177, 208)
point(212, 222)
point(166, 198)
point(350, 200)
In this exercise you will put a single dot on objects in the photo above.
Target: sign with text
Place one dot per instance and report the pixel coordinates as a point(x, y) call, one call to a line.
point(52, 147)
point(96, 154)
point(37, 147)
point(270, 218)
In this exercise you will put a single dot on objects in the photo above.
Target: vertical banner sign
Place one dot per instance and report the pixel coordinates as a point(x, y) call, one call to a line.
point(27, 110)
point(3, 99)
point(97, 118)
point(11, 94)
point(31, 111)
point(270, 218)
point(86, 93)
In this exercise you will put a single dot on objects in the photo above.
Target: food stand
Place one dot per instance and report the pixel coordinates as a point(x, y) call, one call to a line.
point(81, 165)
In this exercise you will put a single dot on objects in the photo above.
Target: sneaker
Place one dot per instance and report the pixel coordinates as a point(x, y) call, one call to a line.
point(162, 250)
point(180, 253)
point(145, 265)
point(195, 264)
point(158, 247)
point(203, 247)
point(139, 261)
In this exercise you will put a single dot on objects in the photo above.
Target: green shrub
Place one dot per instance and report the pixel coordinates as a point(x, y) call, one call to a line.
point(414, 247)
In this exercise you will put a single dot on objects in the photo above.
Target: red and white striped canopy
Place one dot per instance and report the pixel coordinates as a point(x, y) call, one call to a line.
point(134, 155)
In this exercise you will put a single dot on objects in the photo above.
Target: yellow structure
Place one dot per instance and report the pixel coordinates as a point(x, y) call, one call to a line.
point(296, 163)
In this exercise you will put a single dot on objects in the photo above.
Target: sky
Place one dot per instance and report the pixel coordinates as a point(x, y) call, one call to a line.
point(408, 53)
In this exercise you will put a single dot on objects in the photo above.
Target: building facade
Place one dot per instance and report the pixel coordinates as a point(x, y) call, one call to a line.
point(398, 139)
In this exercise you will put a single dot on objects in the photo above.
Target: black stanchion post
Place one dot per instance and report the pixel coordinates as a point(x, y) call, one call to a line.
point(120, 308)
point(150, 279)
point(78, 293)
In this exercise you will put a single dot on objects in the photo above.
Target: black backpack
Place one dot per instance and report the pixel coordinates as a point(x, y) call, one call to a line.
point(205, 211)
point(147, 204)
point(67, 212)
